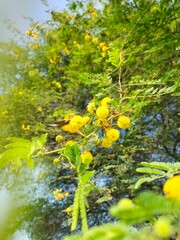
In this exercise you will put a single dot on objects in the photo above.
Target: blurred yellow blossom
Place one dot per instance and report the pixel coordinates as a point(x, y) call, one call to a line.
point(4, 113)
point(163, 228)
point(86, 157)
point(56, 161)
point(71, 142)
point(106, 143)
point(39, 109)
point(172, 187)
point(58, 85)
point(20, 93)
point(25, 127)
point(94, 40)
point(105, 101)
point(102, 44)
point(91, 107)
point(87, 37)
point(86, 120)
point(68, 211)
point(59, 138)
point(104, 48)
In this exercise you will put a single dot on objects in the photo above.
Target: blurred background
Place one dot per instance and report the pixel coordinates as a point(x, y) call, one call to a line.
point(17, 13)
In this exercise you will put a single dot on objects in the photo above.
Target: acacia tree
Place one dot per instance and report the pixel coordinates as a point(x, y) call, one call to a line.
point(121, 55)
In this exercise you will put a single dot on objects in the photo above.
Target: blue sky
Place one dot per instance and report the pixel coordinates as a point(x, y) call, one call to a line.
point(16, 10)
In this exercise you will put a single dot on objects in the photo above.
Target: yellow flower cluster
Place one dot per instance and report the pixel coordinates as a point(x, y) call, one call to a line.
point(163, 228)
point(32, 33)
point(68, 211)
point(75, 124)
point(172, 187)
point(59, 195)
point(58, 85)
point(105, 117)
point(25, 127)
point(4, 113)
point(86, 158)
point(76, 44)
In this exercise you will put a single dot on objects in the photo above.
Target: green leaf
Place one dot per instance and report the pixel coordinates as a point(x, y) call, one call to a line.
point(150, 171)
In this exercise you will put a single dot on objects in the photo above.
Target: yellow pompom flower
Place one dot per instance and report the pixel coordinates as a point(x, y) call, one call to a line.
point(172, 187)
point(87, 37)
point(56, 161)
point(94, 40)
point(101, 44)
point(123, 122)
point(76, 122)
point(68, 211)
point(86, 158)
point(59, 138)
point(91, 107)
point(105, 101)
point(112, 134)
point(57, 84)
point(102, 112)
point(104, 48)
point(86, 120)
point(106, 143)
point(69, 128)
point(163, 228)
point(71, 142)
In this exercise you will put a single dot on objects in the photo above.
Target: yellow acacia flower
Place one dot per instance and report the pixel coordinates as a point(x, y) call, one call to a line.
point(91, 107)
point(106, 143)
point(87, 37)
point(25, 127)
point(105, 101)
point(86, 120)
point(66, 194)
point(86, 157)
point(59, 196)
point(112, 134)
point(123, 122)
point(58, 85)
point(76, 122)
point(163, 228)
point(102, 112)
point(69, 128)
point(104, 48)
point(57, 191)
point(102, 44)
point(103, 54)
point(59, 138)
point(68, 211)
point(172, 187)
point(71, 142)
point(56, 161)
point(94, 40)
